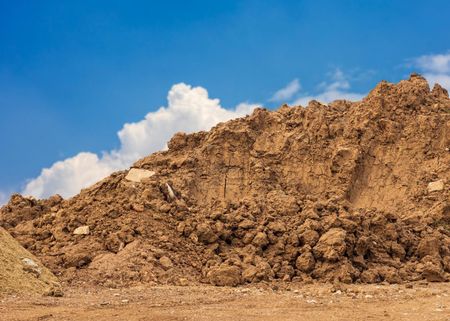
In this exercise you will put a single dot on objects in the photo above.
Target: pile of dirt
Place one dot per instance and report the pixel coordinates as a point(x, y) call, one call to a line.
point(21, 272)
point(350, 192)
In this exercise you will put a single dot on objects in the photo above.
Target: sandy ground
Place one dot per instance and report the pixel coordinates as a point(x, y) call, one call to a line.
point(421, 301)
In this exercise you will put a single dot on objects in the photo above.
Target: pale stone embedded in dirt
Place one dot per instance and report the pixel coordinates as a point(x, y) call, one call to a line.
point(166, 263)
point(30, 266)
point(137, 174)
point(436, 186)
point(82, 230)
point(183, 282)
point(138, 207)
point(171, 192)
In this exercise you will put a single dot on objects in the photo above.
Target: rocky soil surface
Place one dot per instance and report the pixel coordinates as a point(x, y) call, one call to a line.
point(412, 302)
point(346, 192)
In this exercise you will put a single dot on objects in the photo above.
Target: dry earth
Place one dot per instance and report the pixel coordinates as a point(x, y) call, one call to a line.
point(349, 192)
point(324, 212)
point(21, 271)
point(422, 301)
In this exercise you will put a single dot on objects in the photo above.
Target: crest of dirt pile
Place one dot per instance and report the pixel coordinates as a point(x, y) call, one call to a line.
point(21, 272)
point(350, 192)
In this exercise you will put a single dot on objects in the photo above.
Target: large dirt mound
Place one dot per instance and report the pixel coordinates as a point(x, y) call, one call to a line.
point(21, 272)
point(350, 192)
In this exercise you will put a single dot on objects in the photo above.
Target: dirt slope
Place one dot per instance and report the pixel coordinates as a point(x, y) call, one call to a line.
point(350, 192)
point(21, 272)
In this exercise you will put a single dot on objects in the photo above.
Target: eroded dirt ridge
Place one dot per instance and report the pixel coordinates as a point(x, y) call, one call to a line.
point(350, 192)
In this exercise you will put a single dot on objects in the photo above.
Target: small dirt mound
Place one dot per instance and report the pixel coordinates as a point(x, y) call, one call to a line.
point(21, 272)
point(349, 192)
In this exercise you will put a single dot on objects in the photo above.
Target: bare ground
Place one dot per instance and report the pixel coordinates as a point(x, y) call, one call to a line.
point(423, 301)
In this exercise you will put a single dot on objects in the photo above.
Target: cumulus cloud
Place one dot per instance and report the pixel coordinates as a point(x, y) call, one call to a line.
point(287, 92)
point(188, 109)
point(69, 176)
point(337, 88)
point(439, 63)
point(3, 198)
point(435, 68)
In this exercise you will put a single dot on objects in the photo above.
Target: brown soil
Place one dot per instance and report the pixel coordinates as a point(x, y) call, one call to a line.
point(417, 302)
point(21, 272)
point(345, 192)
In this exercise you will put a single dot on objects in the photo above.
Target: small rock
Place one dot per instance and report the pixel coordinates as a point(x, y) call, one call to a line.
point(260, 239)
point(164, 238)
point(309, 237)
point(138, 207)
point(331, 245)
point(30, 266)
point(277, 227)
point(246, 224)
point(436, 186)
point(138, 174)
point(82, 230)
point(225, 275)
point(205, 234)
point(55, 292)
point(171, 192)
point(305, 262)
point(249, 274)
point(166, 262)
point(433, 273)
point(165, 208)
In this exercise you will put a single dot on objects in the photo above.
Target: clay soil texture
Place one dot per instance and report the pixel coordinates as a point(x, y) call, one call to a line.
point(416, 302)
point(349, 202)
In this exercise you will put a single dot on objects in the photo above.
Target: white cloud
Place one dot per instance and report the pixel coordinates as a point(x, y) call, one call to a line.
point(3, 198)
point(337, 88)
point(287, 92)
point(189, 109)
point(439, 63)
point(69, 176)
point(435, 68)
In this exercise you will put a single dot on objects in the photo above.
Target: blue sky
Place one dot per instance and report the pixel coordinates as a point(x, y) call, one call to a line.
point(72, 73)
